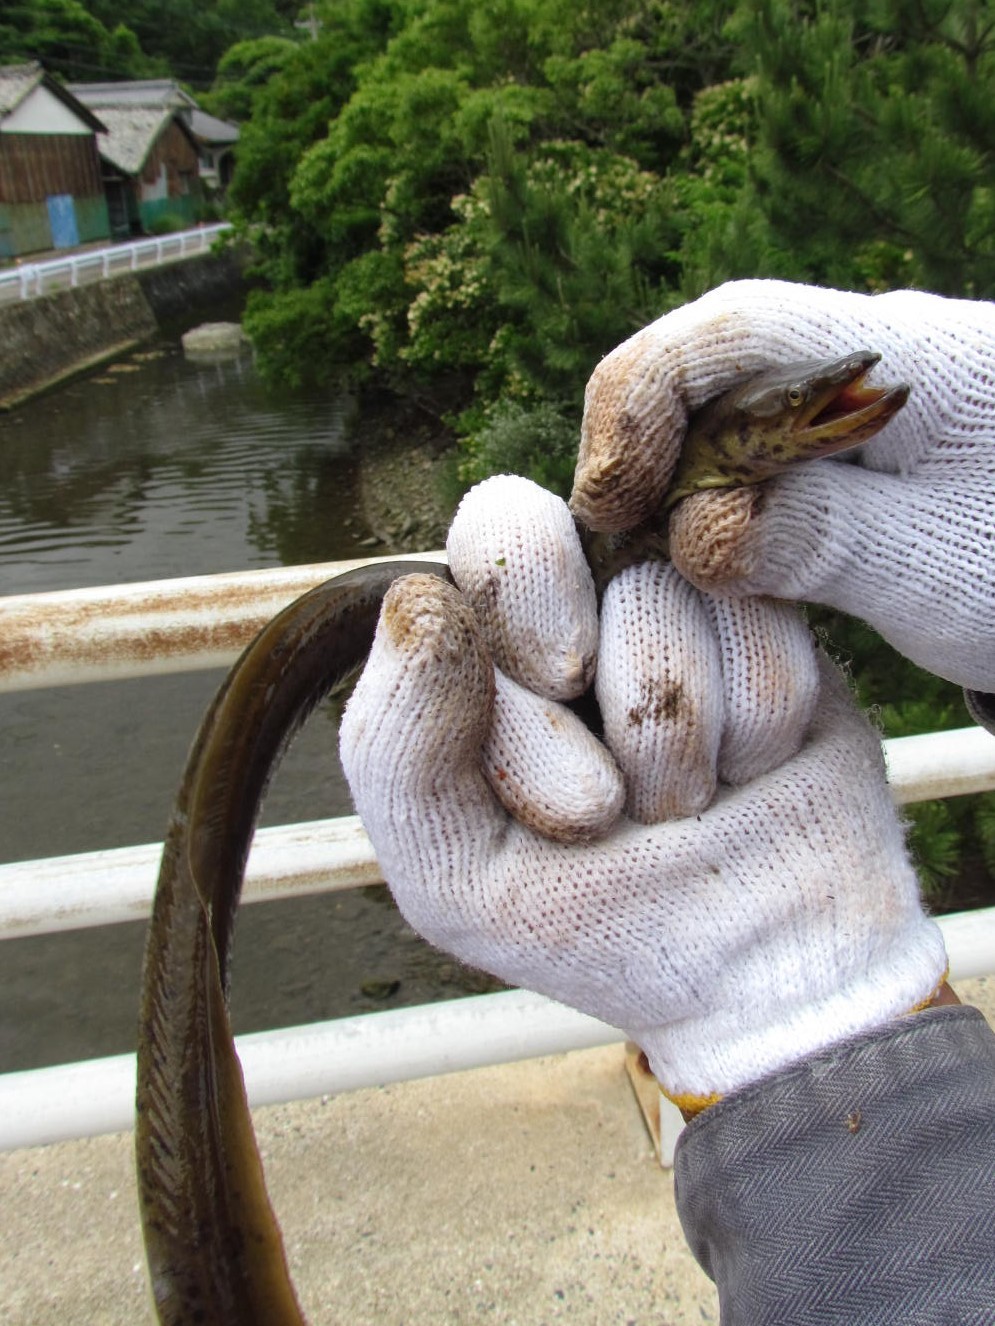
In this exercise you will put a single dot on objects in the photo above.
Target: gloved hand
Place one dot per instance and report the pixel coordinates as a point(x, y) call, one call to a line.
point(903, 538)
point(778, 912)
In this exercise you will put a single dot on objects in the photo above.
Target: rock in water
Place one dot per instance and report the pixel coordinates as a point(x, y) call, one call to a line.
point(214, 340)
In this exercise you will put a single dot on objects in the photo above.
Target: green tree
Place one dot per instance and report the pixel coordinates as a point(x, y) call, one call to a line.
point(488, 210)
point(71, 41)
point(189, 38)
point(243, 71)
point(294, 319)
point(95, 40)
point(875, 161)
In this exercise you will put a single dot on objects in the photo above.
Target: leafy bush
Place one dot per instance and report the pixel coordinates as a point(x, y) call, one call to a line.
point(167, 223)
point(514, 438)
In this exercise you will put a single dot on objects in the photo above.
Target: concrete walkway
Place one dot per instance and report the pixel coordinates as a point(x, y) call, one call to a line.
point(519, 1195)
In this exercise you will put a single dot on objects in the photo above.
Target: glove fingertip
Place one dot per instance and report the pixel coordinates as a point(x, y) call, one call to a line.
point(515, 553)
point(634, 420)
point(548, 770)
point(426, 693)
point(713, 537)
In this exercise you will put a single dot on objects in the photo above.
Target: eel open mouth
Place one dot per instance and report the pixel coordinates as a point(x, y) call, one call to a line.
point(841, 410)
point(780, 418)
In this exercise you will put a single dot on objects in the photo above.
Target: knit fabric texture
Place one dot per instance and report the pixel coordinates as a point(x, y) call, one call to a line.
point(902, 534)
point(752, 903)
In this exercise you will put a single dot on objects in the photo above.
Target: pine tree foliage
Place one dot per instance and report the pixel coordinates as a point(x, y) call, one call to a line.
point(877, 132)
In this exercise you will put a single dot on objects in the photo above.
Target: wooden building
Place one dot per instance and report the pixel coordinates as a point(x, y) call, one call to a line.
point(165, 153)
point(151, 169)
point(216, 139)
point(51, 191)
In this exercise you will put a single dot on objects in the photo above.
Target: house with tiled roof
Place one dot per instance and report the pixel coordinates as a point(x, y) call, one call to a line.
point(150, 157)
point(214, 139)
point(51, 190)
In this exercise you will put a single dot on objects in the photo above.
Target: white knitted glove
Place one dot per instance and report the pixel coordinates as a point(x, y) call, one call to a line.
point(903, 538)
point(771, 920)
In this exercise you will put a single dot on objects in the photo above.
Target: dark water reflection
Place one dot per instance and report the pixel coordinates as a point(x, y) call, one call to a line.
point(165, 468)
point(160, 468)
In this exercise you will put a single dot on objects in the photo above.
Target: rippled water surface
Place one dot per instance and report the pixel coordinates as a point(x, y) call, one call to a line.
point(161, 467)
point(154, 468)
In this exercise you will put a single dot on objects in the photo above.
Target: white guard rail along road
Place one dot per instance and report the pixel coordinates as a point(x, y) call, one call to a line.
point(181, 625)
point(29, 280)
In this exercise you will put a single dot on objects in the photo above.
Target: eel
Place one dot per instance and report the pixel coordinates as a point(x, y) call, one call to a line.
point(779, 418)
point(213, 1244)
point(757, 429)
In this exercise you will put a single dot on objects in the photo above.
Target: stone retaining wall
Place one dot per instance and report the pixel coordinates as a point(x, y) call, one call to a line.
point(186, 292)
point(43, 341)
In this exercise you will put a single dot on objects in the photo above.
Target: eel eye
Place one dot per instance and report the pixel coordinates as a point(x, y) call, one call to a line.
point(794, 395)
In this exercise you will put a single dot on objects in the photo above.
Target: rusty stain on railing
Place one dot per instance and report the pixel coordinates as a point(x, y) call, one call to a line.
point(150, 628)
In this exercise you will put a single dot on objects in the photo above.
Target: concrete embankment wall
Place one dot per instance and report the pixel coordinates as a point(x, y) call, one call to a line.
point(43, 341)
point(183, 291)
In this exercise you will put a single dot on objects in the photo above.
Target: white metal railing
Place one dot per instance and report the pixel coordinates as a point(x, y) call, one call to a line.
point(30, 279)
point(95, 634)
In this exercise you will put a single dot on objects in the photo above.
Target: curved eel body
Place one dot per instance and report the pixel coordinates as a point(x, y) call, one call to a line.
point(212, 1242)
point(213, 1245)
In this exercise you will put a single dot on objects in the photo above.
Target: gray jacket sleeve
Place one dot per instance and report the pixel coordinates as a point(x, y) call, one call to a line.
point(856, 1188)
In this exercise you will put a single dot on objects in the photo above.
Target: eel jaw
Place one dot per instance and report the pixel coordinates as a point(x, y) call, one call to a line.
point(844, 411)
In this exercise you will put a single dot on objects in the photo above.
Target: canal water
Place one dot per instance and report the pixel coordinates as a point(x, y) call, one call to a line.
point(156, 467)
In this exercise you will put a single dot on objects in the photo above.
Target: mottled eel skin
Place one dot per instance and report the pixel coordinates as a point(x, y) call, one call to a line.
point(212, 1242)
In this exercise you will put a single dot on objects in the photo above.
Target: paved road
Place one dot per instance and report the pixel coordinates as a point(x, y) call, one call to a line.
point(523, 1195)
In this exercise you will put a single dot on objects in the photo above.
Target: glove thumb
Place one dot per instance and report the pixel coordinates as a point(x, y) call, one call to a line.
point(411, 737)
point(852, 539)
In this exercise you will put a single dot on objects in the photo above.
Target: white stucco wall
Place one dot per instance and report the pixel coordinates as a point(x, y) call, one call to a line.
point(42, 113)
point(159, 189)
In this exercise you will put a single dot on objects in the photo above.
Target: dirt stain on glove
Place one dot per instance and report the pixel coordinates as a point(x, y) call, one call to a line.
point(661, 702)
